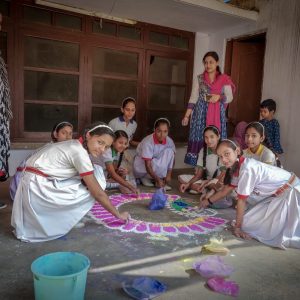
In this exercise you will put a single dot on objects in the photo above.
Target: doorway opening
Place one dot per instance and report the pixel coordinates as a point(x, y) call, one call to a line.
point(244, 62)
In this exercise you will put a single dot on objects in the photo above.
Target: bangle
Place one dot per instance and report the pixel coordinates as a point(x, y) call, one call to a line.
point(211, 203)
point(186, 117)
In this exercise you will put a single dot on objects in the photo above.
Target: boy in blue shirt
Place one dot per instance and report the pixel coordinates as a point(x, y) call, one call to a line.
point(267, 111)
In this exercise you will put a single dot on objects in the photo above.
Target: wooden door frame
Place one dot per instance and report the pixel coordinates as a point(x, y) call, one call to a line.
point(229, 46)
point(228, 58)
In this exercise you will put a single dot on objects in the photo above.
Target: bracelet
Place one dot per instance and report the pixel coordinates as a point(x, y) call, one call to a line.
point(211, 203)
point(187, 117)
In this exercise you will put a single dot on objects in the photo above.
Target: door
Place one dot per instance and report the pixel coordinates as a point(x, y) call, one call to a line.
point(246, 72)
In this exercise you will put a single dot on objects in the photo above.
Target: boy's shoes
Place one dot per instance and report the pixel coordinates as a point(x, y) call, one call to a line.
point(147, 182)
point(167, 187)
point(2, 205)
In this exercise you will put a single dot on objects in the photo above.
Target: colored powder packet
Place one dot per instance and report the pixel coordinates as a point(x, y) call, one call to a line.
point(222, 286)
point(144, 288)
point(213, 266)
point(216, 245)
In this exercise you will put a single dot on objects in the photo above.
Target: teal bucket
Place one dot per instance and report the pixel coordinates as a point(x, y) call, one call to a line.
point(60, 276)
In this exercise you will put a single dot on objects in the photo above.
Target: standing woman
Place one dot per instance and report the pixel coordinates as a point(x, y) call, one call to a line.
point(59, 187)
point(211, 93)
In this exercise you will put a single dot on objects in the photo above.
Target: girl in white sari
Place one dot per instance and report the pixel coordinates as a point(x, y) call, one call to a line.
point(58, 187)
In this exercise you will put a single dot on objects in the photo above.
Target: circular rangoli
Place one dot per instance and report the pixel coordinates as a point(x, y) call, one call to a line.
point(200, 220)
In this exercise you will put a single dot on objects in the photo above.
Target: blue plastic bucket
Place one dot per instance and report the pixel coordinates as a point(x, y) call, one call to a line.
point(60, 276)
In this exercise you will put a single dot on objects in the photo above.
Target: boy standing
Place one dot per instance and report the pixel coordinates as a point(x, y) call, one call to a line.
point(267, 111)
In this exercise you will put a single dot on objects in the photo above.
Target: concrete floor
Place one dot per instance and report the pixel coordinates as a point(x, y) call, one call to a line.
point(261, 272)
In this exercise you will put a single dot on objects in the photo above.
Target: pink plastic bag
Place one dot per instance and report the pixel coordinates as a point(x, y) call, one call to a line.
point(213, 266)
point(220, 285)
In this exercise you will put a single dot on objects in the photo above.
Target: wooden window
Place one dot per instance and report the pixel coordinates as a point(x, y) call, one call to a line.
point(115, 76)
point(4, 8)
point(66, 21)
point(159, 38)
point(51, 83)
point(166, 91)
point(32, 14)
point(104, 27)
point(66, 66)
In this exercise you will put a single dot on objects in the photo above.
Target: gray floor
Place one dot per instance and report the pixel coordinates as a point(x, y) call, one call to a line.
point(261, 272)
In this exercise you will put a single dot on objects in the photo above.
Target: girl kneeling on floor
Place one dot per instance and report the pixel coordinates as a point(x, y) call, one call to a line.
point(209, 167)
point(155, 156)
point(58, 187)
point(274, 220)
point(110, 161)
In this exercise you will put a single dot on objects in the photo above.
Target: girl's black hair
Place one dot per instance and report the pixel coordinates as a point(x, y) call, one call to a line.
point(216, 131)
point(97, 128)
point(266, 142)
point(230, 171)
point(162, 121)
point(127, 100)
point(215, 56)
point(258, 127)
point(57, 127)
point(118, 134)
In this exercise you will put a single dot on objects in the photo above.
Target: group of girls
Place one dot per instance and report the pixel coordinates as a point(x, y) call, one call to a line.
point(250, 175)
point(58, 184)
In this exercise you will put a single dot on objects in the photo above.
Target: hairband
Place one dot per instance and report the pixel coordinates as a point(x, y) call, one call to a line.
point(259, 124)
point(213, 126)
point(230, 141)
point(99, 126)
point(127, 98)
point(162, 119)
point(64, 122)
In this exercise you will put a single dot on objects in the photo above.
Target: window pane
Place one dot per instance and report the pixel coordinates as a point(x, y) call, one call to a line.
point(104, 114)
point(50, 86)
point(159, 38)
point(179, 42)
point(4, 7)
point(33, 14)
point(177, 131)
point(68, 21)
point(112, 91)
point(51, 54)
point(104, 27)
point(129, 32)
point(166, 97)
point(167, 70)
point(112, 62)
point(3, 45)
point(42, 117)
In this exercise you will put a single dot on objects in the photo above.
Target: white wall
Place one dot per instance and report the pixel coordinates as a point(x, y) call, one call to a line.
point(281, 80)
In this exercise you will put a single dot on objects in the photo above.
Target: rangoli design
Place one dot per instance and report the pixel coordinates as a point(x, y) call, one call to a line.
point(202, 220)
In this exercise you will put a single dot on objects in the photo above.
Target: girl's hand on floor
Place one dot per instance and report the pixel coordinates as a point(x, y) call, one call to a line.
point(183, 187)
point(241, 234)
point(124, 216)
point(204, 203)
point(135, 190)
